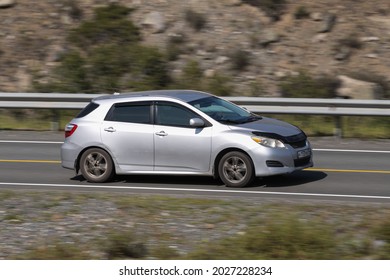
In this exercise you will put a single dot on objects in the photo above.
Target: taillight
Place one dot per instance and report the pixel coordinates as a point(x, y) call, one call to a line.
point(70, 129)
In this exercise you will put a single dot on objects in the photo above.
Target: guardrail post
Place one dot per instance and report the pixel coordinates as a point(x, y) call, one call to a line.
point(338, 131)
point(55, 123)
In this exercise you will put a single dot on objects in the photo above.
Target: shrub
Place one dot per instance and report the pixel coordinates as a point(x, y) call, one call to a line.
point(305, 86)
point(273, 8)
point(57, 250)
point(106, 55)
point(122, 245)
point(351, 41)
point(192, 76)
point(276, 238)
point(109, 25)
point(240, 59)
point(148, 69)
point(196, 20)
point(301, 13)
point(220, 85)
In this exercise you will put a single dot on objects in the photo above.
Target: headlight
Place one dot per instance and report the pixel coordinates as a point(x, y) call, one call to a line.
point(268, 142)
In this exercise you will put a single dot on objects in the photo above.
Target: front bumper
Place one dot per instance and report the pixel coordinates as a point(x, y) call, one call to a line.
point(274, 161)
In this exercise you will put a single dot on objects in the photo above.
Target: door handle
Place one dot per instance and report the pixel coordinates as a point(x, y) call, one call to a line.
point(110, 129)
point(161, 133)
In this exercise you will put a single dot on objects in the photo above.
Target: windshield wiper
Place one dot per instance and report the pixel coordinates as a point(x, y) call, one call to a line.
point(228, 121)
point(251, 118)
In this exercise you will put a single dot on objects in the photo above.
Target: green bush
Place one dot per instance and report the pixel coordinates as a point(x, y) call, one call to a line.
point(305, 86)
point(273, 8)
point(123, 245)
point(106, 55)
point(109, 25)
point(196, 20)
point(193, 78)
point(240, 59)
point(57, 250)
point(351, 41)
point(278, 237)
point(301, 12)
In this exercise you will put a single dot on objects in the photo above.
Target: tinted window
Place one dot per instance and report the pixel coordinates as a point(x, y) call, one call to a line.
point(132, 113)
point(173, 115)
point(88, 109)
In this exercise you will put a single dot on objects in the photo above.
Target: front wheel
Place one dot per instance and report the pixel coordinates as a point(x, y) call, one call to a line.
point(236, 169)
point(96, 165)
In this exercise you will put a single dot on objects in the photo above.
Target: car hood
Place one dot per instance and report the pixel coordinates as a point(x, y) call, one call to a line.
point(269, 125)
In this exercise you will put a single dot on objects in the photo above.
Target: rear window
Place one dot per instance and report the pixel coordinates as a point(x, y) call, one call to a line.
point(88, 109)
point(136, 112)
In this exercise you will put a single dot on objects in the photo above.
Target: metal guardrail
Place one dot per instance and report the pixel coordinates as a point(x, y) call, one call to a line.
point(262, 105)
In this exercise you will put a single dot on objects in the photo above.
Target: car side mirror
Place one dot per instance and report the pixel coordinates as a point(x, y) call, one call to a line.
point(197, 122)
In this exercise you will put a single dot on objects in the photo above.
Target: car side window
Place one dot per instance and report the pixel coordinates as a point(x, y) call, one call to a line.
point(171, 114)
point(130, 112)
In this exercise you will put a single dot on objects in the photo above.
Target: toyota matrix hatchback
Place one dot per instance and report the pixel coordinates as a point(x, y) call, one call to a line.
point(180, 132)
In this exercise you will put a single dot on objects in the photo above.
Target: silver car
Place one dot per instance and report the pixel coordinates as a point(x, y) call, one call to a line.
point(180, 132)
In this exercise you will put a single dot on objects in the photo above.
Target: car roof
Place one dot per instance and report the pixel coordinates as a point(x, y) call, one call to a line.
point(183, 95)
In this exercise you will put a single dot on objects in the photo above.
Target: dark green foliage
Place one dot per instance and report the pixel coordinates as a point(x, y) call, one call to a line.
point(106, 56)
point(74, 10)
point(73, 72)
point(123, 245)
point(301, 13)
point(305, 86)
point(109, 25)
point(57, 250)
point(282, 237)
point(193, 78)
point(196, 20)
point(351, 41)
point(240, 59)
point(273, 8)
point(149, 69)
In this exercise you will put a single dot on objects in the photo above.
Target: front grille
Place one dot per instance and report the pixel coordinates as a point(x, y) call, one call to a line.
point(297, 145)
point(301, 162)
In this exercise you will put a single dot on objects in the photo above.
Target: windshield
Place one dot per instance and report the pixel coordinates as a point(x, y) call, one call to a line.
point(223, 111)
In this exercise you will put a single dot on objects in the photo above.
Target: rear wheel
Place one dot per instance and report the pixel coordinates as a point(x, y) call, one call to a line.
point(96, 165)
point(236, 169)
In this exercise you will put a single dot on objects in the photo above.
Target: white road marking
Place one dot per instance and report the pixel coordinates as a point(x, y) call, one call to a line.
point(314, 149)
point(30, 142)
point(352, 151)
point(193, 190)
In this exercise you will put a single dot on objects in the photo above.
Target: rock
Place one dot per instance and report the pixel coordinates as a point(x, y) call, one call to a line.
point(232, 2)
point(155, 21)
point(371, 55)
point(357, 89)
point(320, 38)
point(369, 39)
point(7, 3)
point(317, 16)
point(329, 21)
point(269, 36)
point(209, 73)
point(221, 59)
point(342, 53)
point(23, 79)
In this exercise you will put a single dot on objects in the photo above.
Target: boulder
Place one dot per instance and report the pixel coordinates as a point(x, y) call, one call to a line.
point(328, 23)
point(155, 21)
point(357, 89)
point(7, 3)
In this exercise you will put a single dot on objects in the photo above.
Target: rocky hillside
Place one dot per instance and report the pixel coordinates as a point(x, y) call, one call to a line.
point(256, 45)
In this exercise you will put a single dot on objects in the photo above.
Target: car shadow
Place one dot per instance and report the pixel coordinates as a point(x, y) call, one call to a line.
point(288, 180)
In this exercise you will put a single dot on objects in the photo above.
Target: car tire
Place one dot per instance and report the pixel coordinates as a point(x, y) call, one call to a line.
point(96, 165)
point(236, 169)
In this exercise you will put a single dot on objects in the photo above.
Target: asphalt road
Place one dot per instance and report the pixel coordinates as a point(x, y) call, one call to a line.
point(345, 170)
